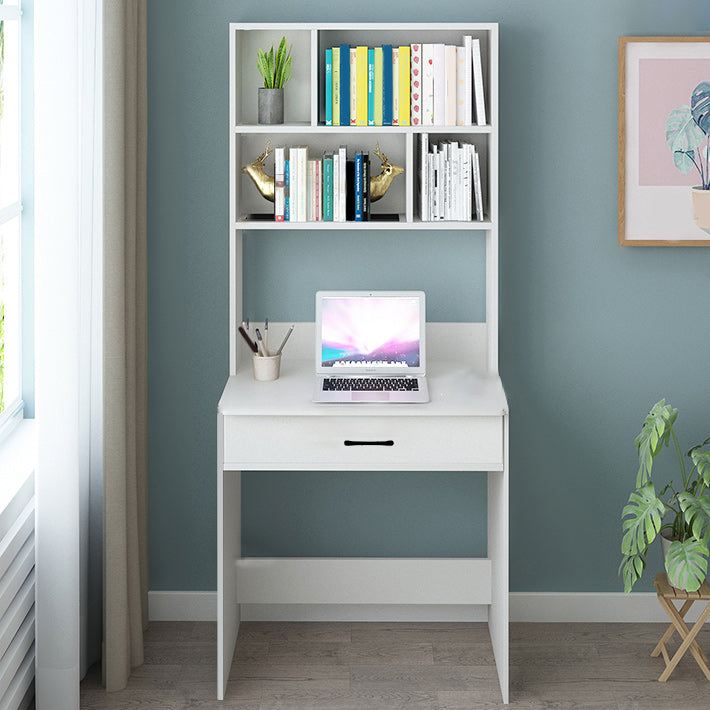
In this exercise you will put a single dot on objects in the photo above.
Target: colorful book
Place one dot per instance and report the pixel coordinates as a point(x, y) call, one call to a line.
point(427, 84)
point(318, 190)
point(415, 89)
point(478, 83)
point(311, 186)
point(404, 85)
point(353, 86)
point(328, 187)
point(293, 162)
point(395, 86)
point(439, 85)
point(387, 85)
point(358, 186)
point(361, 83)
point(378, 86)
point(336, 86)
point(370, 87)
point(460, 88)
point(344, 84)
point(450, 90)
point(287, 190)
point(279, 185)
point(328, 87)
point(365, 187)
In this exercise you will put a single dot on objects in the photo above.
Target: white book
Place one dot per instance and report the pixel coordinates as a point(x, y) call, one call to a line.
point(478, 83)
point(431, 183)
point(477, 186)
point(423, 177)
point(311, 204)
point(450, 85)
point(353, 86)
point(302, 158)
point(427, 84)
point(395, 86)
point(468, 78)
point(439, 85)
point(279, 185)
point(343, 153)
point(293, 184)
point(336, 186)
point(466, 182)
point(460, 86)
point(455, 178)
point(415, 88)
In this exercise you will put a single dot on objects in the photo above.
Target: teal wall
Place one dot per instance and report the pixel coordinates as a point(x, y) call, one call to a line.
point(591, 334)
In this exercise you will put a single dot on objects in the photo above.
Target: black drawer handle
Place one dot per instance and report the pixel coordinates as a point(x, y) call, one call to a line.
point(350, 442)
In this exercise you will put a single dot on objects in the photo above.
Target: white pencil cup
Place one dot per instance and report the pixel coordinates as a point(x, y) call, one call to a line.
point(266, 368)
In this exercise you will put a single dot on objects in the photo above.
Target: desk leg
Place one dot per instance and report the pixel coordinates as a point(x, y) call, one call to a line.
point(498, 613)
point(229, 511)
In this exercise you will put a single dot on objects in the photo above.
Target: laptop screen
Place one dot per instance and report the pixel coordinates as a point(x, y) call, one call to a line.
point(377, 331)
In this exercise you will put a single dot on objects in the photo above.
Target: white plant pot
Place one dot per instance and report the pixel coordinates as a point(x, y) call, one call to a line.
point(701, 208)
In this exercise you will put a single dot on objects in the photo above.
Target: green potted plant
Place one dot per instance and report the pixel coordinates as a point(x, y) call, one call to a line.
point(276, 70)
point(688, 137)
point(685, 500)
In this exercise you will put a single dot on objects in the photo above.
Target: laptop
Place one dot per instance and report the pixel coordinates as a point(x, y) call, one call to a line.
point(370, 347)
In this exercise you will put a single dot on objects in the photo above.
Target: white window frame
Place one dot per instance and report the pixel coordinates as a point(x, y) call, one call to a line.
point(13, 412)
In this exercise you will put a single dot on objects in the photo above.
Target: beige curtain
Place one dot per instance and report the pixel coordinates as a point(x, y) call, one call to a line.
point(125, 562)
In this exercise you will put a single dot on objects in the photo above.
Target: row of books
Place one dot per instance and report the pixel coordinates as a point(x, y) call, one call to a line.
point(328, 189)
point(417, 84)
point(449, 181)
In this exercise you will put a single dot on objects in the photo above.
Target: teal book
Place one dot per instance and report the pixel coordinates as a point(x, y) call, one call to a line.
point(328, 87)
point(371, 86)
point(344, 84)
point(327, 187)
point(387, 85)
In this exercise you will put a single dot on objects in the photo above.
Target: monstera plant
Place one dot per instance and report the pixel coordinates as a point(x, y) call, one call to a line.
point(688, 134)
point(684, 500)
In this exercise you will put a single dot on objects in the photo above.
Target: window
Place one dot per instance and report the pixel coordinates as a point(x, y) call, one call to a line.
point(10, 211)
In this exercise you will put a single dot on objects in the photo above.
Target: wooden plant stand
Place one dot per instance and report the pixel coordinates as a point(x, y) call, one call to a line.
point(666, 593)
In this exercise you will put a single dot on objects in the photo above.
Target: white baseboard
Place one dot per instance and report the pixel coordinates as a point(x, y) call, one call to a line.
point(524, 606)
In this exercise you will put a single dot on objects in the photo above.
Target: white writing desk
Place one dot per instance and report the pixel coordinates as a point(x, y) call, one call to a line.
point(266, 426)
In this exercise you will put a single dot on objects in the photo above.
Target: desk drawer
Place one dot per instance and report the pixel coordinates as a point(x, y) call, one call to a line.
point(360, 443)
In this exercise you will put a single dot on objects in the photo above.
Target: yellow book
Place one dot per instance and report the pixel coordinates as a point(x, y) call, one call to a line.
point(336, 86)
point(404, 85)
point(378, 86)
point(361, 64)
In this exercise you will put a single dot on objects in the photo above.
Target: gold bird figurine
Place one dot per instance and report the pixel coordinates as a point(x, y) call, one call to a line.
point(379, 184)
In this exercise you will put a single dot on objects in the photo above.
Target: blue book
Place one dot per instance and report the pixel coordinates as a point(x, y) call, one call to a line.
point(328, 87)
point(358, 186)
point(287, 192)
point(371, 87)
point(387, 84)
point(327, 187)
point(345, 84)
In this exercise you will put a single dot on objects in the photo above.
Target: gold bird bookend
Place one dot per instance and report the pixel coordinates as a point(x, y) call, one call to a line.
point(379, 184)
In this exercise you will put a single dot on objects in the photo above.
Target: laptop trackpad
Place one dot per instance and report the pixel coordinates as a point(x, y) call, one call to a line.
point(370, 396)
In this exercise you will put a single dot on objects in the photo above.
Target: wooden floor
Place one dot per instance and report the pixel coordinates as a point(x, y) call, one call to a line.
point(376, 666)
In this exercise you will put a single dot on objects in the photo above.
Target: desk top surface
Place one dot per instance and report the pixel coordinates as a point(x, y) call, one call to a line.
point(455, 389)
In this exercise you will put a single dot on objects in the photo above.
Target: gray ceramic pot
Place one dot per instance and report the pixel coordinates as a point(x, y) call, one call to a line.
point(271, 106)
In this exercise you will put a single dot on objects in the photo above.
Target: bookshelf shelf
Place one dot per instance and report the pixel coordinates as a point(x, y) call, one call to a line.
point(286, 402)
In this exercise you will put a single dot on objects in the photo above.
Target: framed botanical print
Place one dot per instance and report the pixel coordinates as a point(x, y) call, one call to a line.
point(664, 141)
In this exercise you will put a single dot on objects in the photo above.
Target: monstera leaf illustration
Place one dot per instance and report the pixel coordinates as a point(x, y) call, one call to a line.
point(683, 136)
point(700, 105)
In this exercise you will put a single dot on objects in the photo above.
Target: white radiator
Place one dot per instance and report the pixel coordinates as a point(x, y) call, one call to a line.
point(17, 599)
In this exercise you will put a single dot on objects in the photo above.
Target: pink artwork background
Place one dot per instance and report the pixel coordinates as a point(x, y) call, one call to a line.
point(664, 84)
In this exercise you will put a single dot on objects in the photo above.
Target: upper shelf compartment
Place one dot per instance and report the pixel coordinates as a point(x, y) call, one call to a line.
point(298, 91)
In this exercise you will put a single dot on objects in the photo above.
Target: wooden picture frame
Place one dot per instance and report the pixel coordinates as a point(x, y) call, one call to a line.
point(657, 76)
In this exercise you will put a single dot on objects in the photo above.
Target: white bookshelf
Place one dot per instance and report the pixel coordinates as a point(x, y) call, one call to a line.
point(478, 406)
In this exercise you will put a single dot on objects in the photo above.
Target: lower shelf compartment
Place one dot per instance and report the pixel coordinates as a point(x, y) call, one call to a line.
point(363, 581)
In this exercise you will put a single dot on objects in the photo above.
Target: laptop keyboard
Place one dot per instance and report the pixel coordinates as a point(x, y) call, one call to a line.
point(370, 384)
